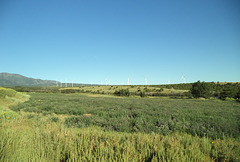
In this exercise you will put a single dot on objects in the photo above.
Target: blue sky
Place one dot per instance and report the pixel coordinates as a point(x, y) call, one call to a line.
point(91, 41)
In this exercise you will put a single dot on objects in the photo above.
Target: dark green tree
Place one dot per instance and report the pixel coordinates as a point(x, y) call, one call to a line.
point(238, 94)
point(229, 91)
point(201, 89)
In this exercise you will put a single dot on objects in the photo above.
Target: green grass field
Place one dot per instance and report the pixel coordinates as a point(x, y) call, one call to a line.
point(213, 118)
point(93, 127)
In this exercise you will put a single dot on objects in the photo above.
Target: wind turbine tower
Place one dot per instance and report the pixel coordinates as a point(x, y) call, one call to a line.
point(145, 81)
point(128, 80)
point(66, 83)
point(72, 83)
point(183, 79)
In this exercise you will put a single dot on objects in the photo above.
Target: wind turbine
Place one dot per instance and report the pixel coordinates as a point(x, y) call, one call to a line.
point(183, 78)
point(128, 80)
point(72, 83)
point(61, 83)
point(145, 81)
point(66, 83)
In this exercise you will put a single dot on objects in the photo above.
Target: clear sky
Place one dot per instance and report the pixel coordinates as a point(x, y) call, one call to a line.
point(91, 41)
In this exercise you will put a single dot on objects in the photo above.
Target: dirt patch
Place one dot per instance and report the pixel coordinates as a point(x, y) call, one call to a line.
point(87, 114)
point(93, 96)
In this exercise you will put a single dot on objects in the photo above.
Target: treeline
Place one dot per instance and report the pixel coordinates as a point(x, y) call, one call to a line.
point(224, 91)
point(146, 92)
point(217, 90)
point(228, 91)
point(53, 90)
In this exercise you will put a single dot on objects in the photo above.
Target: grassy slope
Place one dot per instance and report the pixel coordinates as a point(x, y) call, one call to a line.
point(39, 139)
point(9, 97)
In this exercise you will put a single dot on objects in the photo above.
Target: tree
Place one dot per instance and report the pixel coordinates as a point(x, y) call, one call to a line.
point(229, 91)
point(201, 89)
point(238, 94)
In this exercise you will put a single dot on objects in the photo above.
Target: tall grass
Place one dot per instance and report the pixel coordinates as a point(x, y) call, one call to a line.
point(9, 97)
point(211, 118)
point(39, 140)
point(34, 137)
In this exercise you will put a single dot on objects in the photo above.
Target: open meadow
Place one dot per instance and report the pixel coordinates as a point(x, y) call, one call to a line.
point(100, 127)
point(120, 81)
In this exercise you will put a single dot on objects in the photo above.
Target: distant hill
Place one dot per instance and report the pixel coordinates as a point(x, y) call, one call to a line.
point(10, 80)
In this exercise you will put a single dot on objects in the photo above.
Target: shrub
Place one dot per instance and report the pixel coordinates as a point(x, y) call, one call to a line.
point(142, 94)
point(159, 90)
point(187, 94)
point(229, 99)
point(122, 92)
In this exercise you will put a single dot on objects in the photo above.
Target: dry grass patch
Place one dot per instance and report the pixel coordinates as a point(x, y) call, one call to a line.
point(87, 114)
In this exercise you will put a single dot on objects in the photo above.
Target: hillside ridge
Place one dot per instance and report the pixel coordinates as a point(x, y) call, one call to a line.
point(9, 80)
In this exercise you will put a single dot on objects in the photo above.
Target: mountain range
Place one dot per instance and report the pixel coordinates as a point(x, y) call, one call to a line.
point(10, 80)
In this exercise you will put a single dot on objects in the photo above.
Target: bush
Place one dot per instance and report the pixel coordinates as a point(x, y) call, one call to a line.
point(122, 92)
point(229, 99)
point(142, 94)
point(187, 94)
point(159, 90)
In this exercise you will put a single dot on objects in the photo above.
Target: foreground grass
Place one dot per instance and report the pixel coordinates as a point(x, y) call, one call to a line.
point(41, 140)
point(35, 137)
